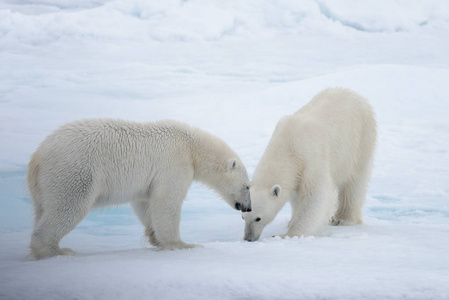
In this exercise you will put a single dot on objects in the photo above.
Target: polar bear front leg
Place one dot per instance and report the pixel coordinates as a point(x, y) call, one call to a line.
point(313, 210)
point(142, 210)
point(165, 210)
point(166, 220)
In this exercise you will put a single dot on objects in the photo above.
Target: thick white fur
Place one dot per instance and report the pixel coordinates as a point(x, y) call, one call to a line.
point(327, 145)
point(103, 162)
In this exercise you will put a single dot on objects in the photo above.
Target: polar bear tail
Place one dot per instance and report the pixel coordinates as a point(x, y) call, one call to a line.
point(33, 185)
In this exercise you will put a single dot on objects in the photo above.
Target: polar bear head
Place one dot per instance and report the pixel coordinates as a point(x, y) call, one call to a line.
point(234, 185)
point(265, 203)
point(238, 186)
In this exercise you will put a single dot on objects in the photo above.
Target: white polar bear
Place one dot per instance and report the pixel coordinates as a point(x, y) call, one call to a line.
point(326, 145)
point(103, 162)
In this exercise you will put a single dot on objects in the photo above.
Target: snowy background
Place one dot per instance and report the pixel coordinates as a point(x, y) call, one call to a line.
point(233, 68)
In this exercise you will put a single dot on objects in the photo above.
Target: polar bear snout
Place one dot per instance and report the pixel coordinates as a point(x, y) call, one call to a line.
point(243, 208)
point(241, 199)
point(247, 209)
point(250, 236)
point(250, 239)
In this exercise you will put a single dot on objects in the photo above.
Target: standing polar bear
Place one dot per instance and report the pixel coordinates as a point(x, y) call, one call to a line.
point(102, 162)
point(326, 145)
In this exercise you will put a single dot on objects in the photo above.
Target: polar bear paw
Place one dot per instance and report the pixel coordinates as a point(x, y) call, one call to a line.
point(335, 222)
point(284, 236)
point(180, 246)
point(67, 251)
point(41, 253)
point(342, 222)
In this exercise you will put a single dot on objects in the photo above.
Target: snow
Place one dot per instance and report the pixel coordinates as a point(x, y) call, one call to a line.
point(232, 68)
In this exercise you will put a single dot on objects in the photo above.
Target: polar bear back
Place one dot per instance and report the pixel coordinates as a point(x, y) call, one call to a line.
point(336, 126)
point(91, 147)
point(349, 125)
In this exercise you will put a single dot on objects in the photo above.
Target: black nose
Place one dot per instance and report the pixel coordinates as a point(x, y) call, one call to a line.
point(238, 206)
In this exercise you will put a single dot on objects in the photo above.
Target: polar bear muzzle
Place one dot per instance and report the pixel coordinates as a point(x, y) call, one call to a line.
point(250, 235)
point(240, 206)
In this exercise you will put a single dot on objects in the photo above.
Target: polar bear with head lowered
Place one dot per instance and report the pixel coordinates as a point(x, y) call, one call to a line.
point(103, 162)
point(327, 145)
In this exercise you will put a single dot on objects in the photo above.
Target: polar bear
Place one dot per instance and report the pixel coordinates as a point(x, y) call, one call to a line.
point(101, 162)
point(327, 145)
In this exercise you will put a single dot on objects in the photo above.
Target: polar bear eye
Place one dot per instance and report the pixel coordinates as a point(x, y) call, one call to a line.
point(257, 219)
point(247, 187)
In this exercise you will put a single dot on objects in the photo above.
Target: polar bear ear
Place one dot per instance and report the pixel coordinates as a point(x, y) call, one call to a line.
point(232, 163)
point(276, 190)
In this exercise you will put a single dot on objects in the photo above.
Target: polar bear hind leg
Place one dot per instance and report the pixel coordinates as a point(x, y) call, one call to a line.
point(53, 224)
point(38, 212)
point(351, 198)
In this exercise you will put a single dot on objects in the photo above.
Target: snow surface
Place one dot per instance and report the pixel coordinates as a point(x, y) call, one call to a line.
point(232, 68)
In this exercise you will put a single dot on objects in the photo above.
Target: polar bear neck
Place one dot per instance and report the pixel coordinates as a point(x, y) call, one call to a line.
point(276, 167)
point(209, 157)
